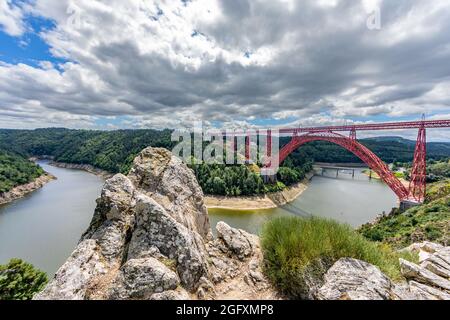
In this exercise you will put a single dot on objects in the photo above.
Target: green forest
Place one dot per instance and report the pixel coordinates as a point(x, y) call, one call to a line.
point(245, 180)
point(16, 170)
point(114, 152)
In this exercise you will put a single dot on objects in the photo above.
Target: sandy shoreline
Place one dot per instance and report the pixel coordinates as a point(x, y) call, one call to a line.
point(263, 202)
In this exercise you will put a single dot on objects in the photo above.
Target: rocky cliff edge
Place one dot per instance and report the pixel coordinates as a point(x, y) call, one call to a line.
point(150, 238)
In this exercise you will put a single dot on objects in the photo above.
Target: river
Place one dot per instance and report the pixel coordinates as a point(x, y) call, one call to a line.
point(44, 227)
point(354, 201)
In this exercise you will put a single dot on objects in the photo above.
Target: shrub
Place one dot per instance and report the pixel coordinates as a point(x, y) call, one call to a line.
point(20, 280)
point(299, 251)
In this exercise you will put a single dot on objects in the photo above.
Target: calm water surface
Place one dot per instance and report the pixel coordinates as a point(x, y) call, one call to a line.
point(346, 199)
point(44, 227)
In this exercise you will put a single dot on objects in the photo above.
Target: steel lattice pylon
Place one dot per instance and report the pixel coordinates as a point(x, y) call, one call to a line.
point(417, 184)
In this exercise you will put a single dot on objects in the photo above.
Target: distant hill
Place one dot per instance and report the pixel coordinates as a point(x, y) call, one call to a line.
point(390, 139)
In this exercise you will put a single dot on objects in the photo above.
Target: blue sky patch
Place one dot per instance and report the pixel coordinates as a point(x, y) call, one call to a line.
point(29, 48)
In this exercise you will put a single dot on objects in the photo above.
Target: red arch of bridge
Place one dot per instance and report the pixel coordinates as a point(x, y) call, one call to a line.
point(352, 145)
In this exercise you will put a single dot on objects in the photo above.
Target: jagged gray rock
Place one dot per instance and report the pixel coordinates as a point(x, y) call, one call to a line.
point(412, 271)
point(439, 262)
point(156, 228)
point(351, 279)
point(150, 238)
point(73, 279)
point(141, 278)
point(179, 294)
point(172, 185)
point(423, 249)
point(423, 292)
point(238, 242)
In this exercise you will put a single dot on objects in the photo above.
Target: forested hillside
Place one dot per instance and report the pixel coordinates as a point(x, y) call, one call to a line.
point(16, 170)
point(112, 151)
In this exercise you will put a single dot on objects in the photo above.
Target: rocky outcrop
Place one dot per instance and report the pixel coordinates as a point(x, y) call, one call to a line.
point(22, 190)
point(150, 238)
point(236, 267)
point(430, 280)
point(73, 279)
point(424, 249)
point(415, 272)
point(352, 279)
point(142, 278)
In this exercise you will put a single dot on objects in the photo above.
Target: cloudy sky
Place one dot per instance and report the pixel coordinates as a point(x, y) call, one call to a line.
point(154, 64)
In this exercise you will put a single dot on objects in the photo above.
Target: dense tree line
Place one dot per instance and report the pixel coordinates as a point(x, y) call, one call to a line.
point(16, 170)
point(438, 170)
point(237, 180)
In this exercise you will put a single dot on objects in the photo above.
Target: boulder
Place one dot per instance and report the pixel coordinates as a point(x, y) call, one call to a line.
point(236, 241)
point(419, 274)
point(439, 263)
point(351, 279)
point(156, 228)
point(423, 249)
point(423, 292)
point(166, 179)
point(141, 278)
point(179, 294)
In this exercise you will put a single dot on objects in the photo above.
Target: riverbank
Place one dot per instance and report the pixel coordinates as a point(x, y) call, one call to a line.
point(64, 165)
point(85, 167)
point(22, 190)
point(262, 202)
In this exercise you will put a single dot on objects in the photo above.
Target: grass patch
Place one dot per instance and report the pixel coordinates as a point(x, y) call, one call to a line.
point(299, 251)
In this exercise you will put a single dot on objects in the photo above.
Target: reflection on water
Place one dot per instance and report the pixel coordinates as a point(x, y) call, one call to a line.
point(44, 227)
point(346, 199)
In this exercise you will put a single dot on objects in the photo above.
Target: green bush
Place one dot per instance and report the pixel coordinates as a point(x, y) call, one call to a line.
point(298, 251)
point(20, 280)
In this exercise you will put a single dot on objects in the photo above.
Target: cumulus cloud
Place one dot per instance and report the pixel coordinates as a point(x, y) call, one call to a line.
point(166, 63)
point(11, 18)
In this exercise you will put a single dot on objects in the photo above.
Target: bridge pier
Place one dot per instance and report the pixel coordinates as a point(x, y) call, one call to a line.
point(408, 204)
point(324, 169)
